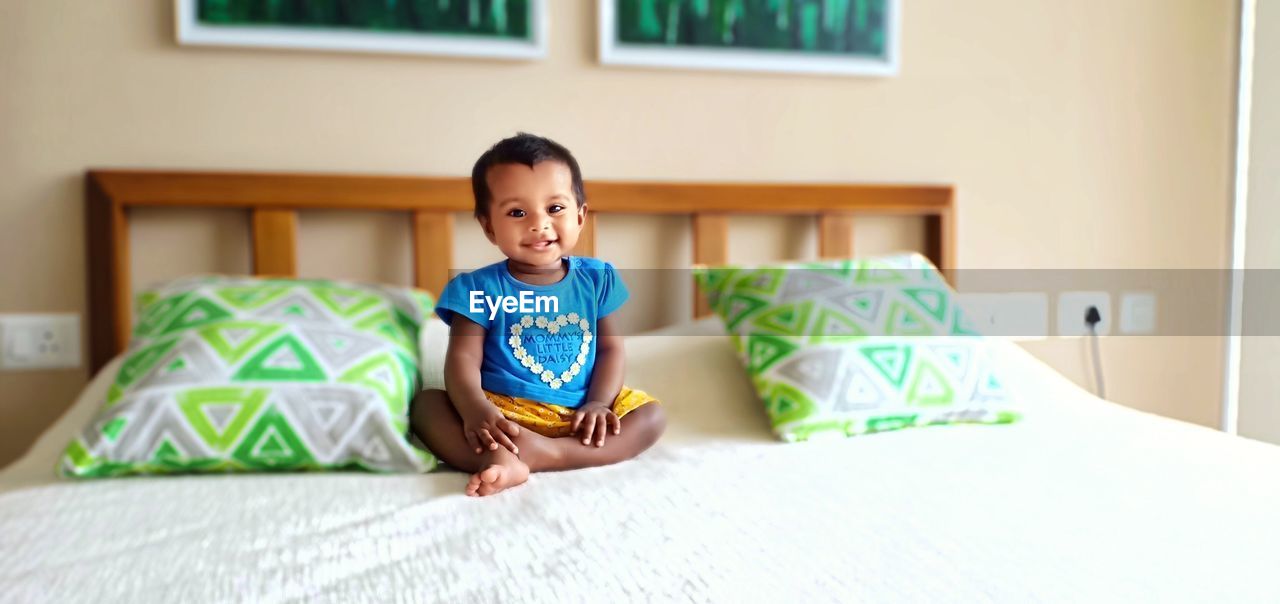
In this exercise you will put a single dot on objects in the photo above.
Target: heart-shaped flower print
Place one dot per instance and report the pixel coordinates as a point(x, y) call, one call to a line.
point(559, 346)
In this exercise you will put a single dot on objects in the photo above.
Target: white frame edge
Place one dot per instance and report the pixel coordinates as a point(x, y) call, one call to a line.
point(1239, 220)
point(747, 60)
point(191, 32)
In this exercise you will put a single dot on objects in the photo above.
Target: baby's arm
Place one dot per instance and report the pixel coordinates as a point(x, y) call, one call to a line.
point(482, 423)
point(595, 417)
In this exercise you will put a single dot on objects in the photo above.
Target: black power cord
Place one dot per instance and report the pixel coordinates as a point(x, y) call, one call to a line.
point(1091, 318)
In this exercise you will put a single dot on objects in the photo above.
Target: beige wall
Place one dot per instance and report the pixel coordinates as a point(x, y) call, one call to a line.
point(1079, 134)
point(1260, 355)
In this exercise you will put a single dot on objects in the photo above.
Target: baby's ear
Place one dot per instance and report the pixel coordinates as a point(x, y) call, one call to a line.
point(487, 228)
point(582, 214)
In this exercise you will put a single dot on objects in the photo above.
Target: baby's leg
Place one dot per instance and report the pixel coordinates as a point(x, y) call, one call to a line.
point(437, 424)
point(640, 430)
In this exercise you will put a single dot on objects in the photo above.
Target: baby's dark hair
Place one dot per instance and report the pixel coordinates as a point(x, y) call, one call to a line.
point(527, 149)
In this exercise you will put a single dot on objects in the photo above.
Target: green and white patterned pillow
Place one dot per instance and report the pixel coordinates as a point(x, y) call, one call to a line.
point(228, 374)
point(856, 346)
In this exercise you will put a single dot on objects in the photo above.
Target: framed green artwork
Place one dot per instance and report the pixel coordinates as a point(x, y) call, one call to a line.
point(848, 37)
point(507, 29)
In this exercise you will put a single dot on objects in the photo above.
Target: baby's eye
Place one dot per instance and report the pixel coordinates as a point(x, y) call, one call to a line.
point(556, 208)
point(516, 213)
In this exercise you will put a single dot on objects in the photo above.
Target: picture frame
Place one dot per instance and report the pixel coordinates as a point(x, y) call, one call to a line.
point(387, 36)
point(743, 55)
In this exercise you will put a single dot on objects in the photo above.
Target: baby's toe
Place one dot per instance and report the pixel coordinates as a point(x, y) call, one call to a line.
point(490, 475)
point(474, 484)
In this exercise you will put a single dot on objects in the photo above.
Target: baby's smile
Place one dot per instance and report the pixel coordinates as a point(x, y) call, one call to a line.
point(543, 244)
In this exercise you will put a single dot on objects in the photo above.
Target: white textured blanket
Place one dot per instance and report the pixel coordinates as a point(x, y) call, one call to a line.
point(1082, 501)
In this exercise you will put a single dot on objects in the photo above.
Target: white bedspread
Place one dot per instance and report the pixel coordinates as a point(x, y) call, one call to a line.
point(1082, 501)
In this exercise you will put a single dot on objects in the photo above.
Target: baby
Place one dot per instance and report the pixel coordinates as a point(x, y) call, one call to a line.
point(534, 352)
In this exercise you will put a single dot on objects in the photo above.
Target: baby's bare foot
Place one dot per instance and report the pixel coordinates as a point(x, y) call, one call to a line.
point(501, 469)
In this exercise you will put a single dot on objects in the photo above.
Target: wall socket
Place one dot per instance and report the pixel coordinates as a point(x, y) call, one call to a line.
point(46, 341)
point(1071, 310)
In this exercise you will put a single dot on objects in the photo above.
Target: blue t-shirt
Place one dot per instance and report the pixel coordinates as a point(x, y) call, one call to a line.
point(540, 339)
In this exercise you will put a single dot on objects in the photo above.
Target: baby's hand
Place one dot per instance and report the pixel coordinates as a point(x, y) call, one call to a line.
point(486, 428)
point(595, 419)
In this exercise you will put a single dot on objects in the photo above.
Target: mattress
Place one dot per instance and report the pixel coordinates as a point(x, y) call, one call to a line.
point(1083, 500)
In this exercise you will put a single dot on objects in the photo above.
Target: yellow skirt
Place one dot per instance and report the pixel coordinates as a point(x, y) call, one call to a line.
point(555, 421)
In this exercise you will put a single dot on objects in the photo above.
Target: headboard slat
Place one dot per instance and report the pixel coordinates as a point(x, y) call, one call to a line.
point(432, 250)
point(940, 242)
point(107, 267)
point(835, 235)
point(275, 243)
point(710, 246)
point(587, 238)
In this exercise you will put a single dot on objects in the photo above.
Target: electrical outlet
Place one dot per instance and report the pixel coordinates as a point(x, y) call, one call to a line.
point(39, 341)
point(1016, 316)
point(1071, 310)
point(1137, 313)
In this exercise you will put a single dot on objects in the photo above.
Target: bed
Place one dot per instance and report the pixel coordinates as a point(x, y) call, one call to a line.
point(1082, 500)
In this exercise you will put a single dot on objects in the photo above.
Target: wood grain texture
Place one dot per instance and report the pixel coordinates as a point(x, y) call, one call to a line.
point(121, 271)
point(835, 235)
point(683, 198)
point(587, 238)
point(275, 243)
point(940, 243)
point(285, 191)
point(432, 250)
point(107, 267)
point(710, 247)
point(327, 191)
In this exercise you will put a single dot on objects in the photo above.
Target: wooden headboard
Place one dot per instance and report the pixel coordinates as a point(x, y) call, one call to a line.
point(275, 199)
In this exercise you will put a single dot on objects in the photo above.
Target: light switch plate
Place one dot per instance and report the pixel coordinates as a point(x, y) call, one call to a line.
point(39, 341)
point(1013, 315)
point(1137, 313)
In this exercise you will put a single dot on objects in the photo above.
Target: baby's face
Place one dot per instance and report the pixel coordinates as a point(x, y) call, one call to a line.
point(533, 215)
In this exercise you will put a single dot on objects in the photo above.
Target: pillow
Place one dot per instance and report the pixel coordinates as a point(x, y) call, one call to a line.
point(856, 346)
point(433, 343)
point(241, 374)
